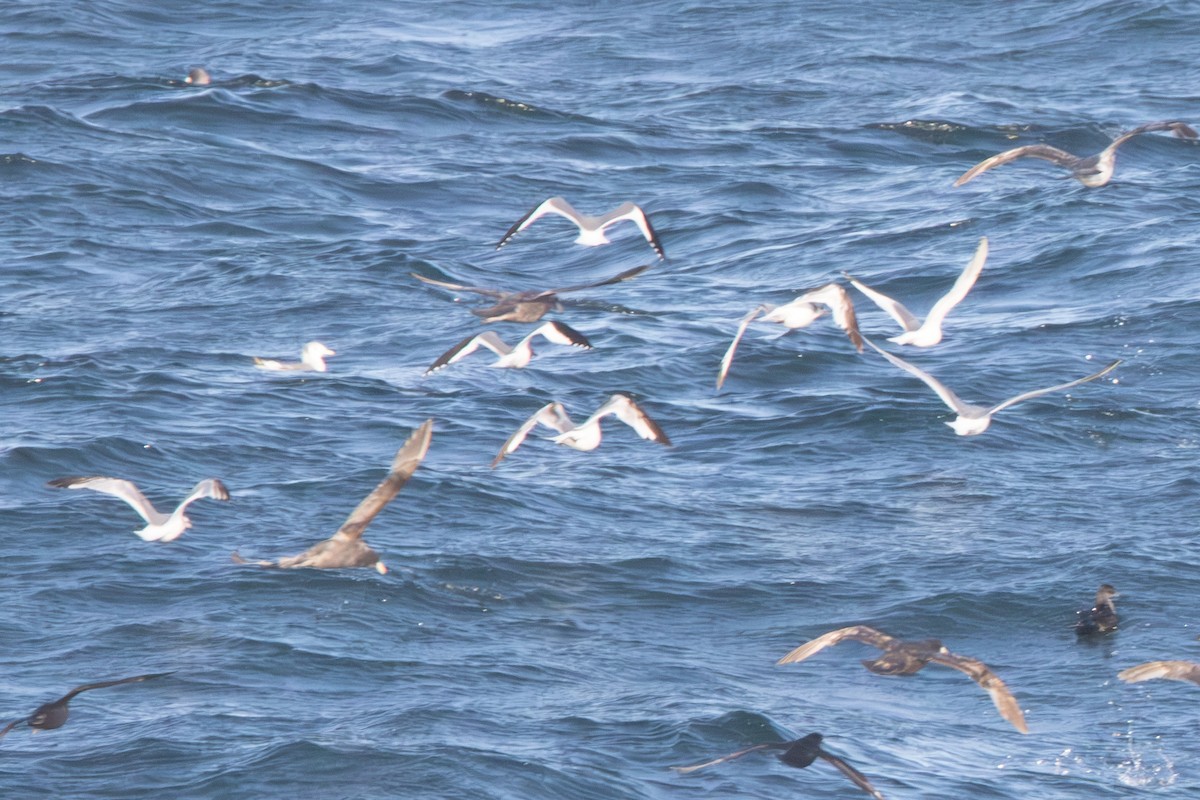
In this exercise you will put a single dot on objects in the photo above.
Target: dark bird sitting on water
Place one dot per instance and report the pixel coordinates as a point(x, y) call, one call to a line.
point(525, 306)
point(798, 753)
point(1170, 670)
point(905, 658)
point(346, 548)
point(1100, 618)
point(53, 715)
point(1091, 171)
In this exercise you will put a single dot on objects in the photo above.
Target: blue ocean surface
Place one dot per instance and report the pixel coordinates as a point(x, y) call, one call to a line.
point(573, 624)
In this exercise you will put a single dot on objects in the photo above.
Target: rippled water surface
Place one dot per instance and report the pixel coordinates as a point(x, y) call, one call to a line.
point(572, 624)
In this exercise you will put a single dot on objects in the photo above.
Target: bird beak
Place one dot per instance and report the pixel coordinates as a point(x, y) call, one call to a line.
point(381, 568)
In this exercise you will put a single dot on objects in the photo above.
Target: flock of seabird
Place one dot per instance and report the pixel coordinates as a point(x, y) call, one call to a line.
point(346, 547)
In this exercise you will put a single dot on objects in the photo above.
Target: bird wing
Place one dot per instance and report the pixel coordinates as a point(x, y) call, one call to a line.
point(457, 287)
point(1180, 129)
point(552, 415)
point(634, 213)
point(209, 487)
point(1043, 151)
point(555, 205)
point(469, 345)
point(629, 412)
point(408, 458)
point(731, 756)
point(895, 309)
point(1058, 388)
point(1170, 670)
point(850, 772)
point(561, 333)
point(727, 359)
point(837, 299)
point(624, 276)
point(948, 397)
point(116, 487)
point(960, 288)
point(87, 687)
point(14, 724)
point(859, 633)
point(979, 672)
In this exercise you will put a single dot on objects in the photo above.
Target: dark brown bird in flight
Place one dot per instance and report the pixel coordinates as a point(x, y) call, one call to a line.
point(53, 715)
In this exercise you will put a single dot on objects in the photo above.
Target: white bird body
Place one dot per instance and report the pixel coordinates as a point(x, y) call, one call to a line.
point(972, 419)
point(515, 356)
point(591, 229)
point(587, 435)
point(929, 332)
point(312, 358)
point(159, 527)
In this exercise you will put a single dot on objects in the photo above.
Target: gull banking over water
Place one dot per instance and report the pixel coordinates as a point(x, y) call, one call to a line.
point(517, 355)
point(908, 657)
point(929, 332)
point(591, 229)
point(49, 716)
point(1091, 171)
point(159, 527)
point(585, 436)
point(525, 306)
point(312, 358)
point(973, 419)
point(800, 313)
point(346, 547)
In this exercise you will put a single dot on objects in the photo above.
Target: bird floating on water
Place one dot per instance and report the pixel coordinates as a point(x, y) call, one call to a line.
point(53, 715)
point(312, 358)
point(972, 419)
point(800, 313)
point(585, 436)
point(1101, 617)
point(527, 306)
point(929, 332)
point(346, 547)
point(159, 527)
point(798, 753)
point(591, 229)
point(517, 355)
point(1091, 171)
point(907, 657)
point(198, 77)
point(1170, 670)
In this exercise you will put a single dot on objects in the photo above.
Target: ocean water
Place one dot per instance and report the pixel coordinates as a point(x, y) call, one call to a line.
point(571, 625)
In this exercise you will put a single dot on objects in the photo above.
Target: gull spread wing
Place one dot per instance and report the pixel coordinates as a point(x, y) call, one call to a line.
point(1058, 388)
point(1043, 151)
point(210, 487)
point(624, 276)
point(838, 301)
point(118, 488)
point(561, 333)
point(1180, 129)
point(961, 286)
point(555, 205)
point(459, 287)
point(1170, 670)
point(979, 672)
point(850, 772)
point(731, 756)
point(552, 415)
point(858, 633)
point(895, 309)
point(469, 345)
point(87, 687)
point(12, 725)
point(727, 359)
point(403, 466)
point(948, 397)
point(629, 412)
point(634, 213)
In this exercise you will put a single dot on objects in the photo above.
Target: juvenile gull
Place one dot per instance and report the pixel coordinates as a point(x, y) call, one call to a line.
point(527, 306)
point(1170, 670)
point(972, 419)
point(517, 355)
point(928, 333)
point(798, 753)
point(1091, 171)
point(908, 657)
point(800, 313)
point(591, 229)
point(346, 548)
point(312, 358)
point(53, 715)
point(159, 527)
point(1100, 618)
point(587, 435)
